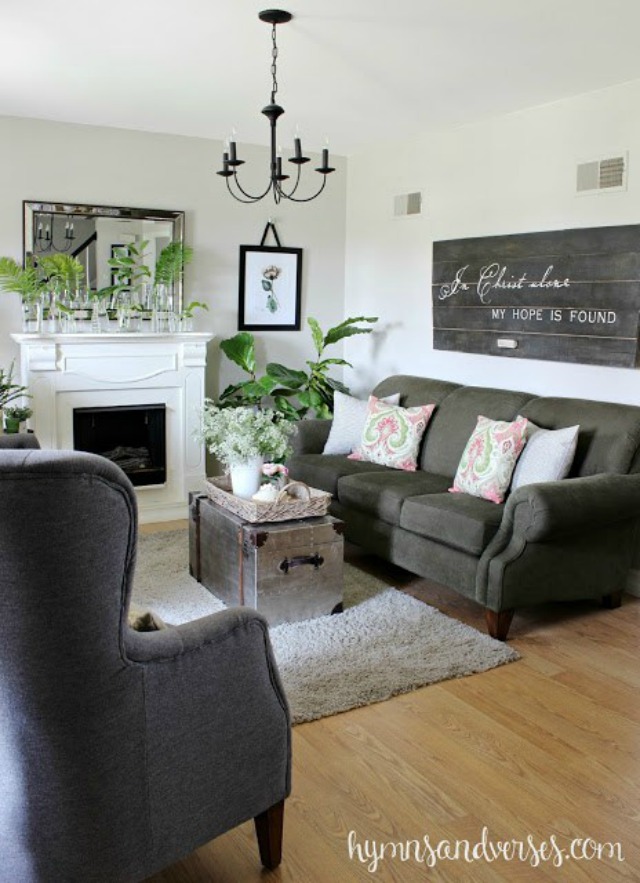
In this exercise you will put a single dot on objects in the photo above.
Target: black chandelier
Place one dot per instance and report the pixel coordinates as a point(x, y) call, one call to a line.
point(272, 111)
point(44, 229)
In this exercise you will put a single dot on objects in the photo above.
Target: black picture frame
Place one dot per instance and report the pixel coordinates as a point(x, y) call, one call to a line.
point(270, 292)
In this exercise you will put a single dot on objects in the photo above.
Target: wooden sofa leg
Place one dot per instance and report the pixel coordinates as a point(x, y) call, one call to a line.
point(612, 600)
point(498, 623)
point(269, 826)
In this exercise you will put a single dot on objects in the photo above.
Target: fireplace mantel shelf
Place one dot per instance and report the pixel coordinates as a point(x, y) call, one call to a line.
point(110, 337)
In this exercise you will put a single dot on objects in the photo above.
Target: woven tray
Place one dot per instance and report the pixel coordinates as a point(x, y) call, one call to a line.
point(308, 502)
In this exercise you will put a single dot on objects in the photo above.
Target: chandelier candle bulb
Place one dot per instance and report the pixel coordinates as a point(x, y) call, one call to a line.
point(225, 165)
point(297, 148)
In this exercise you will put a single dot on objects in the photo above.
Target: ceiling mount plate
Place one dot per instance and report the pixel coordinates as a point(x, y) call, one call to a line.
point(275, 16)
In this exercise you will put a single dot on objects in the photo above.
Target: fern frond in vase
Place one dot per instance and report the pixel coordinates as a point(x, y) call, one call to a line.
point(24, 281)
point(171, 262)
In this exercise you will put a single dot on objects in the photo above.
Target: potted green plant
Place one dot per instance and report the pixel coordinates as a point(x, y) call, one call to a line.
point(9, 391)
point(295, 393)
point(240, 438)
point(14, 416)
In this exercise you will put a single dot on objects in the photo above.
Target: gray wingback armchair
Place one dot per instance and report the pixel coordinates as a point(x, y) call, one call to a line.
point(15, 440)
point(120, 751)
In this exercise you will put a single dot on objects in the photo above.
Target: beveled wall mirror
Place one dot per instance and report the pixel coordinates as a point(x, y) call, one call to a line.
point(91, 232)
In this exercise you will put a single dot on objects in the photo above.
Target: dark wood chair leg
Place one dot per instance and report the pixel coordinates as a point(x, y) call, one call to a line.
point(612, 600)
point(269, 826)
point(498, 623)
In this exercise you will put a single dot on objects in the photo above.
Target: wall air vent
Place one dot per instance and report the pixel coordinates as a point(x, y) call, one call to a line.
point(602, 175)
point(407, 204)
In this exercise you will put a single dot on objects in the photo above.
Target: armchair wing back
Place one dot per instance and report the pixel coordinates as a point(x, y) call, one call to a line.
point(120, 752)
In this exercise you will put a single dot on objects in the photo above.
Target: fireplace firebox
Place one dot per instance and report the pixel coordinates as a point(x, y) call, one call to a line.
point(132, 436)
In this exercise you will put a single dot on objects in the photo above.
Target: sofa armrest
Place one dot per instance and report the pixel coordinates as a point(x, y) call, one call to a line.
point(538, 512)
point(311, 436)
point(561, 540)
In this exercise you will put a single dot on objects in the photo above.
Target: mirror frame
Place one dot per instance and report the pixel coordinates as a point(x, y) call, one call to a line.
point(30, 208)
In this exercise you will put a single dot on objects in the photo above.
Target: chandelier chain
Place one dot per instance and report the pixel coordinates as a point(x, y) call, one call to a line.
point(274, 57)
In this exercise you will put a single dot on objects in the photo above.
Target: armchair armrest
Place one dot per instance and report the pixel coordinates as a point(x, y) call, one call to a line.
point(537, 512)
point(216, 645)
point(311, 436)
point(217, 727)
point(175, 640)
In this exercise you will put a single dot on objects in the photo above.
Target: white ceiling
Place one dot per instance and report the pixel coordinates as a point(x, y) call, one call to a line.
point(355, 71)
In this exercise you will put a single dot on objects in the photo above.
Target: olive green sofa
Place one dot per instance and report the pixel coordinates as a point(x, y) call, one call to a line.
point(560, 540)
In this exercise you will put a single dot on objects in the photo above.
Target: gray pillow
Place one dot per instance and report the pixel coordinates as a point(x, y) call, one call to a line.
point(547, 455)
point(349, 418)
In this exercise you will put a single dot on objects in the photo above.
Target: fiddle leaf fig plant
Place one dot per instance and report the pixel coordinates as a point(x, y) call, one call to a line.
point(296, 393)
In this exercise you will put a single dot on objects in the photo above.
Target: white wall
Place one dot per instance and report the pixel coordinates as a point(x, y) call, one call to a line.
point(513, 174)
point(84, 164)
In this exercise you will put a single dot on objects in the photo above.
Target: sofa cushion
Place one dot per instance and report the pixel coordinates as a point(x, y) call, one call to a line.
point(382, 494)
point(349, 418)
point(609, 433)
point(547, 456)
point(324, 470)
point(489, 458)
point(459, 520)
point(455, 418)
point(392, 435)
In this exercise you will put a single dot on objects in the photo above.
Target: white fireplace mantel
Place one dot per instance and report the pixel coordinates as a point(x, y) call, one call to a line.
point(68, 371)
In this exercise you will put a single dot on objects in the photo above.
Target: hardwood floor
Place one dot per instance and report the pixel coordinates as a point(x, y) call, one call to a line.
point(547, 747)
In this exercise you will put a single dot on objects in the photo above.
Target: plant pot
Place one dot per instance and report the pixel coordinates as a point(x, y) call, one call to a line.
point(246, 478)
point(11, 425)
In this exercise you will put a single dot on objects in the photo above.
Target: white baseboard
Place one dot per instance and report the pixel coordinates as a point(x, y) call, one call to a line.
point(633, 583)
point(163, 512)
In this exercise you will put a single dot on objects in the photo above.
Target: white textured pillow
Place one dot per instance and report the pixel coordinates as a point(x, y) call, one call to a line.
point(547, 456)
point(349, 418)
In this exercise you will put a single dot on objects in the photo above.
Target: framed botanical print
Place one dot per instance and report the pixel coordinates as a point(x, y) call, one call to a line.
point(270, 288)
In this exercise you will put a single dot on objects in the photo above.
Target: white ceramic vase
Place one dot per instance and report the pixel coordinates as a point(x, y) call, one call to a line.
point(246, 478)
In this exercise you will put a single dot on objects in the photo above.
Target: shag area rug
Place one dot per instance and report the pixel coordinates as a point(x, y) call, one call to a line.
point(385, 642)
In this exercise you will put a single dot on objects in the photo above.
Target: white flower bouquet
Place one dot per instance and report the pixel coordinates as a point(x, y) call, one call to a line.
point(237, 435)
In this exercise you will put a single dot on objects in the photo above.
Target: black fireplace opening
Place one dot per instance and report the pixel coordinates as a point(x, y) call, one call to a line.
point(132, 436)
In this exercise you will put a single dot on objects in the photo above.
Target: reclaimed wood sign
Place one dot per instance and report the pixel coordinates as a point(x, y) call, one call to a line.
point(564, 295)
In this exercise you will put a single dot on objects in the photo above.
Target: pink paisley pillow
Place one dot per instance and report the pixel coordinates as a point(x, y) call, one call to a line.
point(489, 458)
point(392, 435)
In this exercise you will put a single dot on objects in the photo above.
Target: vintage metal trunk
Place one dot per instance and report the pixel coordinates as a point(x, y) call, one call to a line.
point(287, 570)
